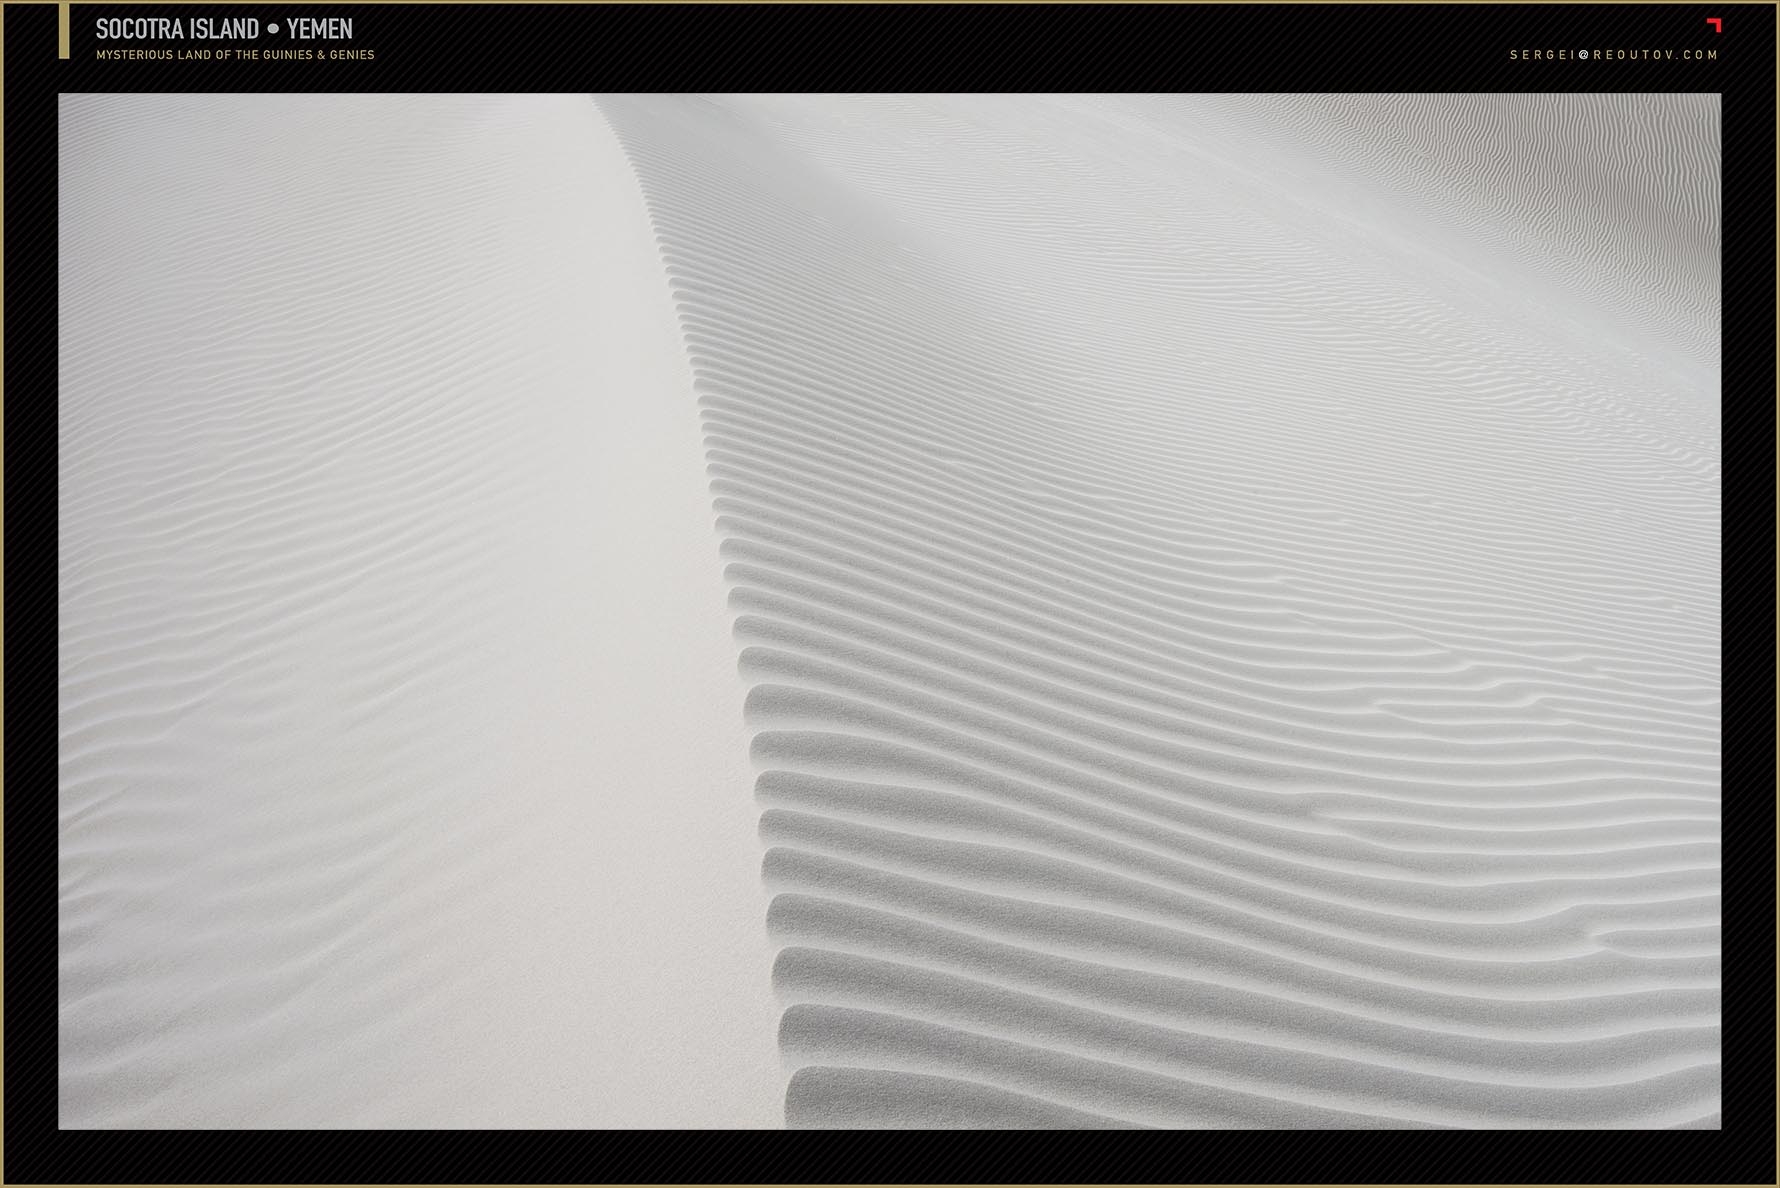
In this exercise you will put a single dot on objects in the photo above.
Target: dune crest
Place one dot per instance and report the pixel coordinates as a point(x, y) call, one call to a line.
point(1192, 611)
point(403, 778)
point(1231, 614)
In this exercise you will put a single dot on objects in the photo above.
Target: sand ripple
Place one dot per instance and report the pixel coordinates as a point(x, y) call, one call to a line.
point(1229, 594)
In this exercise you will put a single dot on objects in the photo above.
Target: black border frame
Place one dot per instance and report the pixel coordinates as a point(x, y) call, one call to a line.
point(1324, 47)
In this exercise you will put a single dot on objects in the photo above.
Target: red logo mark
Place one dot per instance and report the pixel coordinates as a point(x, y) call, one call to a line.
point(1717, 24)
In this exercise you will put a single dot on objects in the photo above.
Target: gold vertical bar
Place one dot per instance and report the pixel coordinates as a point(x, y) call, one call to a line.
point(62, 29)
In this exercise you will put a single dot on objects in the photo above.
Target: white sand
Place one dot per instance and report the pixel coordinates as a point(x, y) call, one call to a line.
point(403, 776)
point(1226, 592)
point(1230, 589)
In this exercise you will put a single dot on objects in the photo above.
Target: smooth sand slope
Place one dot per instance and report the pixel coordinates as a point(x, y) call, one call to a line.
point(1229, 590)
point(403, 776)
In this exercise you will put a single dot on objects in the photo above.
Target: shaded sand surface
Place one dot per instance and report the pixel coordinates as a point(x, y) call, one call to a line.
point(1229, 593)
point(403, 775)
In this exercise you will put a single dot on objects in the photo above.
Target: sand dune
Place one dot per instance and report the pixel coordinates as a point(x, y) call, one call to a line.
point(1231, 618)
point(403, 779)
point(1225, 592)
